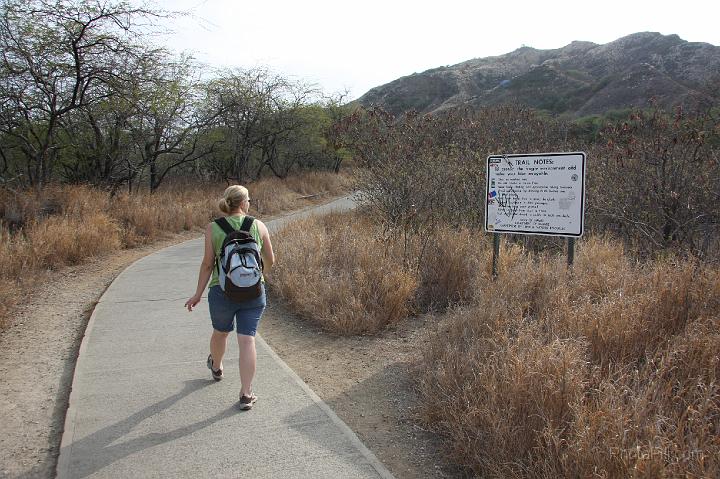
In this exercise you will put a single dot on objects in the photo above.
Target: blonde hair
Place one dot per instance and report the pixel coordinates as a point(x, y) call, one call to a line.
point(233, 196)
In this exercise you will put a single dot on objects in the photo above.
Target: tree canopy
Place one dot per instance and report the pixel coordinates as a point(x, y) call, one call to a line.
point(85, 96)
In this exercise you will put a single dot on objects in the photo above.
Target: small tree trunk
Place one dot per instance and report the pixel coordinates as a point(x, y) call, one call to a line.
point(337, 163)
point(153, 176)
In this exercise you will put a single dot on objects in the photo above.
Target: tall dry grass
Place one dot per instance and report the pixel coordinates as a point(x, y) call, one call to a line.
point(335, 272)
point(607, 370)
point(272, 195)
point(64, 225)
point(610, 370)
point(343, 272)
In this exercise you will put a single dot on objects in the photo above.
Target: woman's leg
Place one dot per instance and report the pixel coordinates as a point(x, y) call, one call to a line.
point(222, 315)
point(248, 357)
point(218, 344)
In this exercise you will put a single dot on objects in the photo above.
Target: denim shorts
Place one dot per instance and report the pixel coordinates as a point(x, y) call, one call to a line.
point(245, 315)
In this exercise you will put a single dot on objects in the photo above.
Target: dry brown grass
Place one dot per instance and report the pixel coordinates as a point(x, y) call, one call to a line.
point(451, 266)
point(608, 370)
point(360, 279)
point(335, 273)
point(64, 225)
point(272, 195)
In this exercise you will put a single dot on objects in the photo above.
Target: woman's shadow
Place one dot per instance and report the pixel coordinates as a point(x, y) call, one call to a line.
point(97, 451)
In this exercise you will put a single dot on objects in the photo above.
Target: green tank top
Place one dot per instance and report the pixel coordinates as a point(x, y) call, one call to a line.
point(218, 236)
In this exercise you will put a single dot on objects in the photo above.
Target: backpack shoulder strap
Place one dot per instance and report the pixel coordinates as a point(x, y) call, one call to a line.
point(247, 223)
point(225, 225)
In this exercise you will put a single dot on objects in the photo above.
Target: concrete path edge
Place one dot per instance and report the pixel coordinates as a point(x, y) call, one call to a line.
point(68, 433)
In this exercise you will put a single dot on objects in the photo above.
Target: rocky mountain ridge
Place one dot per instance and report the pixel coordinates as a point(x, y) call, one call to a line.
point(580, 79)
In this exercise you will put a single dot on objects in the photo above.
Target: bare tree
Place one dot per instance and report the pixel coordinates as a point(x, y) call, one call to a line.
point(658, 180)
point(259, 109)
point(57, 57)
point(172, 116)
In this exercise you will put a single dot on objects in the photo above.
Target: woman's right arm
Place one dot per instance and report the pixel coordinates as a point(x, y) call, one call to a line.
point(206, 267)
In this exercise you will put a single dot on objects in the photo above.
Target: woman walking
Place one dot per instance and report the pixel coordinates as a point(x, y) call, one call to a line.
point(224, 312)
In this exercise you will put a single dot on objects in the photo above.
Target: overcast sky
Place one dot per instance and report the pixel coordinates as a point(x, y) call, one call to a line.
point(354, 46)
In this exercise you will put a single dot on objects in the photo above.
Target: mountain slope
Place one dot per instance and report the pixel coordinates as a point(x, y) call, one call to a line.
point(581, 78)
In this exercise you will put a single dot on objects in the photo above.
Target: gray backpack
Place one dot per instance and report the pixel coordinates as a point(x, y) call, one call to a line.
point(240, 263)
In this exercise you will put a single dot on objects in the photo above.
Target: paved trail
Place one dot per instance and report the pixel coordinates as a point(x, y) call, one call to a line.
point(143, 403)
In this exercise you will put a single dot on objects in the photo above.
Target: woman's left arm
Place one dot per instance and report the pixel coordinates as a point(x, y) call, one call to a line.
point(206, 267)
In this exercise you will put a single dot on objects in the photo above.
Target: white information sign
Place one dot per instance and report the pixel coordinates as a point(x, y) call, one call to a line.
point(538, 193)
